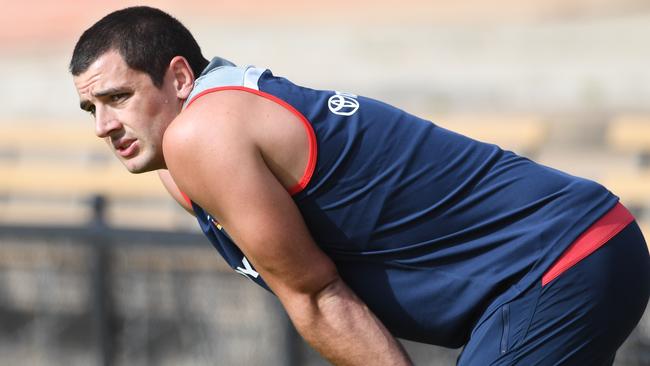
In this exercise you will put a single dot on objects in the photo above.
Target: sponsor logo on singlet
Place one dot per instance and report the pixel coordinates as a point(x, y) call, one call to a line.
point(247, 270)
point(343, 104)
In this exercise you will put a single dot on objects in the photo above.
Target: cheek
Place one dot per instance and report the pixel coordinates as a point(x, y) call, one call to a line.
point(159, 115)
point(157, 107)
point(154, 113)
point(150, 108)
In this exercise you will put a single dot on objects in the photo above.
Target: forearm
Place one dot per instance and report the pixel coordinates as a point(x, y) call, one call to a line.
point(342, 328)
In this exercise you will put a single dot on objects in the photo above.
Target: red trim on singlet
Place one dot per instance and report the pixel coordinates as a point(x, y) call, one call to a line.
point(187, 199)
point(593, 238)
point(311, 163)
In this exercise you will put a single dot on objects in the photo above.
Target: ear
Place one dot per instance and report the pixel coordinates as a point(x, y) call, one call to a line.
point(182, 76)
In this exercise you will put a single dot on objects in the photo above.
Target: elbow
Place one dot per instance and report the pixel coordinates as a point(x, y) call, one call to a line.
point(332, 289)
point(307, 307)
point(308, 291)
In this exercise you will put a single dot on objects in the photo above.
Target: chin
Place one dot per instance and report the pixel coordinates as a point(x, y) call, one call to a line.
point(136, 167)
point(145, 160)
point(138, 170)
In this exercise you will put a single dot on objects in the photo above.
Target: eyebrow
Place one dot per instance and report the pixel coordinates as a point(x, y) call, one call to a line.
point(86, 104)
point(109, 91)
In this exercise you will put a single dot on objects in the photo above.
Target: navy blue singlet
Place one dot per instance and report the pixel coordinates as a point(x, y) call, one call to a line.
point(427, 226)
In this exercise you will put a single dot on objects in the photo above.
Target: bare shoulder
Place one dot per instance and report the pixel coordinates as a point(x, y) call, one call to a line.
point(206, 138)
point(208, 118)
point(223, 125)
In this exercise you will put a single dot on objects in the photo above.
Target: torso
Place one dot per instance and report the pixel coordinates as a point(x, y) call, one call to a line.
point(425, 225)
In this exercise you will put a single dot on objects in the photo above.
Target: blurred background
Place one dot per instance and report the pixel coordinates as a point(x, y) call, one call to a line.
point(98, 267)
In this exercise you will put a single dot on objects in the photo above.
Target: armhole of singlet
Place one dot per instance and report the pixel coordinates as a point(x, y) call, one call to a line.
point(186, 198)
point(311, 136)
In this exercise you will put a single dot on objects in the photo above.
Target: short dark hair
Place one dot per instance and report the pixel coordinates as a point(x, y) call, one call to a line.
point(147, 39)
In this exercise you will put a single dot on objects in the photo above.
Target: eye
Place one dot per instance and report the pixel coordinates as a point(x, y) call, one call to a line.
point(118, 97)
point(91, 110)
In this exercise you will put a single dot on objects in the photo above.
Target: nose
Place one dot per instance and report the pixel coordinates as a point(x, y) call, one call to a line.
point(105, 122)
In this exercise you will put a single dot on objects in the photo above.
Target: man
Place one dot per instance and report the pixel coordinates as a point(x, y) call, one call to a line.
point(367, 222)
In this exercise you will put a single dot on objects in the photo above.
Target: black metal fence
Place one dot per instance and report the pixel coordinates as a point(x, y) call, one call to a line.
point(97, 295)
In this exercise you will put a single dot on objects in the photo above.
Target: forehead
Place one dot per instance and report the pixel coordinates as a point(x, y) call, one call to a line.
point(107, 71)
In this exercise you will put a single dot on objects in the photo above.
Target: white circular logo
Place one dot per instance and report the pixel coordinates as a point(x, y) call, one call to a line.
point(343, 104)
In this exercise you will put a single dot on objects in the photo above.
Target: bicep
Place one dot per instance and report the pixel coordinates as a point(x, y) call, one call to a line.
point(230, 179)
point(260, 214)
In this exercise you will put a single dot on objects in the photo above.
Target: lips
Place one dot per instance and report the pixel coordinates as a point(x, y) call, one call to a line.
point(126, 148)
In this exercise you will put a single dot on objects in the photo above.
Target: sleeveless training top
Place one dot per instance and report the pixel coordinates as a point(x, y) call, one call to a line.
point(430, 228)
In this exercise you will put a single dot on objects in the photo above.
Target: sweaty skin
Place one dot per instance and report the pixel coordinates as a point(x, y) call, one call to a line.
point(235, 154)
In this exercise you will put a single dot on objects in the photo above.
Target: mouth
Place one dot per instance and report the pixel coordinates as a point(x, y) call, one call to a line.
point(127, 148)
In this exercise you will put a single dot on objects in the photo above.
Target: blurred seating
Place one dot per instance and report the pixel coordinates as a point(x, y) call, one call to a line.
point(632, 187)
point(51, 170)
point(523, 134)
point(72, 179)
point(32, 139)
point(630, 133)
point(634, 191)
point(591, 162)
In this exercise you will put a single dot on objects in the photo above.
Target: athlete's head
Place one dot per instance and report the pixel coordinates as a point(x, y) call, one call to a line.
point(147, 39)
point(133, 69)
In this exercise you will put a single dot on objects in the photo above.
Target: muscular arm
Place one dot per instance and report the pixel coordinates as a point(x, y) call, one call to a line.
point(232, 181)
point(339, 325)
